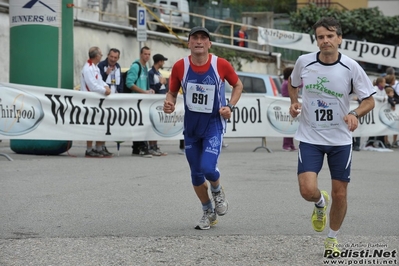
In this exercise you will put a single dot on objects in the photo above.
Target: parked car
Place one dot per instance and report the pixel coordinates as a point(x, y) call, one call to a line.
point(258, 83)
point(173, 13)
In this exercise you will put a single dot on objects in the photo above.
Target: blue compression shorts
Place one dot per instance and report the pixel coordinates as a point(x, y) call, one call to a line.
point(202, 155)
point(339, 158)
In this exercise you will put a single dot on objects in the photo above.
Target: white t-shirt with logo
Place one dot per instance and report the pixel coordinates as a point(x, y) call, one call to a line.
point(325, 97)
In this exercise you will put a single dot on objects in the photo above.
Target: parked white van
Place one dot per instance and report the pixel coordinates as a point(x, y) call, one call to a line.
point(174, 13)
point(258, 83)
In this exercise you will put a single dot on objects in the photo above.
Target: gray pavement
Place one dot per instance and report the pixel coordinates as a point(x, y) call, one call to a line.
point(70, 210)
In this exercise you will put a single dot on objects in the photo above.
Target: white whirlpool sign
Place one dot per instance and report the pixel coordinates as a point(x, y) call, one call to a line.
point(358, 50)
point(32, 112)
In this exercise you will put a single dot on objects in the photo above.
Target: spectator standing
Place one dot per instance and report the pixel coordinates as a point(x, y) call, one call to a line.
point(111, 71)
point(158, 84)
point(288, 143)
point(242, 34)
point(356, 140)
point(157, 81)
point(391, 99)
point(202, 77)
point(395, 86)
point(326, 123)
point(139, 84)
point(380, 95)
point(390, 80)
point(91, 81)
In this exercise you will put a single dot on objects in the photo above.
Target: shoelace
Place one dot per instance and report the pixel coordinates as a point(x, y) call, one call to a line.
point(320, 214)
point(205, 217)
point(218, 197)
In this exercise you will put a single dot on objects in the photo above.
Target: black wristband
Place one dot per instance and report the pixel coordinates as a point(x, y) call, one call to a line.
point(230, 106)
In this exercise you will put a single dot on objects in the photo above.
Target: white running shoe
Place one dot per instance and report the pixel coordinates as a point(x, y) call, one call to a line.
point(208, 219)
point(221, 204)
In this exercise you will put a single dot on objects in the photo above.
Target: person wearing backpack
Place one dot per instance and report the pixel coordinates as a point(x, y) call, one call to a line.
point(137, 82)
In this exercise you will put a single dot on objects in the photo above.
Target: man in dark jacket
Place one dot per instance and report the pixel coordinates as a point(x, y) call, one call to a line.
point(157, 82)
point(111, 71)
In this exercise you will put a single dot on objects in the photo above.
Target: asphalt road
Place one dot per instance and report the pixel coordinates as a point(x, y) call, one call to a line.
point(71, 210)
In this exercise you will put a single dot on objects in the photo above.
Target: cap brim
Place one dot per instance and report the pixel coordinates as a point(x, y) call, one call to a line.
point(206, 33)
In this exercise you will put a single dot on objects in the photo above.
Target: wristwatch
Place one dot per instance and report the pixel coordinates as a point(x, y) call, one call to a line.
point(353, 112)
point(231, 106)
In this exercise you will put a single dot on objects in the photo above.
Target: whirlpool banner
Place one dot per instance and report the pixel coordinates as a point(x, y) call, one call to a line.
point(32, 112)
point(362, 51)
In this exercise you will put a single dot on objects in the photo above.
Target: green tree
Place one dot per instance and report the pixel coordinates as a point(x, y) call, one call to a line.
point(276, 6)
point(364, 23)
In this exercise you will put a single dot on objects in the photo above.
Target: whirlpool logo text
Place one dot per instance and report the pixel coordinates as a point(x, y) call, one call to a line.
point(280, 119)
point(167, 125)
point(20, 112)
